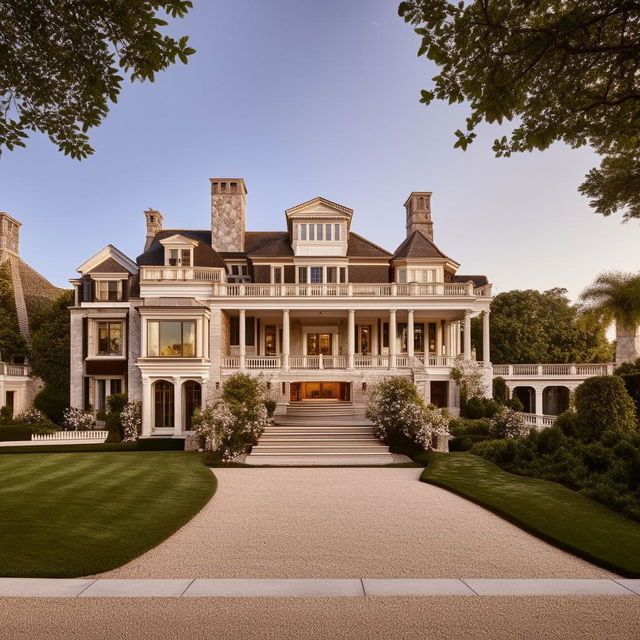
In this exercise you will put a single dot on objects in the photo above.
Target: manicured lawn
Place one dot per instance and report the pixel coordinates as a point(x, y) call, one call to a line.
point(74, 514)
point(546, 509)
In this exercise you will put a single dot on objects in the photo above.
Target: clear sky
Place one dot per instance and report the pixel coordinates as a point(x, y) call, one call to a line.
point(304, 98)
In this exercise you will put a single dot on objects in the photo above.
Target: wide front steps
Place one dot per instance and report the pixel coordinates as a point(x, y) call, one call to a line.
point(320, 433)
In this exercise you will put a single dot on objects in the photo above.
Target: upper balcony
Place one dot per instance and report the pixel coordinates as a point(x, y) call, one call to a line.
point(217, 278)
point(18, 370)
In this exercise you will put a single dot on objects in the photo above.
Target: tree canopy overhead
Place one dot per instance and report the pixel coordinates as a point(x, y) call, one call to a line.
point(60, 63)
point(540, 327)
point(566, 70)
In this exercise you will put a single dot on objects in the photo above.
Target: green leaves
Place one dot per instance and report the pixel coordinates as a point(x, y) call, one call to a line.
point(59, 63)
point(568, 72)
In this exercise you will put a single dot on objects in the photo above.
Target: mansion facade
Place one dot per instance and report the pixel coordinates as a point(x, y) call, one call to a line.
point(319, 311)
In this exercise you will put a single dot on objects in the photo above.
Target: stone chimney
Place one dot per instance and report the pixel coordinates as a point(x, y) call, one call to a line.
point(228, 208)
point(9, 236)
point(154, 224)
point(418, 206)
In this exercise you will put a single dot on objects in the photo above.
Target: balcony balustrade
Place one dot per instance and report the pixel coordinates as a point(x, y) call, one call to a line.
point(8, 369)
point(584, 370)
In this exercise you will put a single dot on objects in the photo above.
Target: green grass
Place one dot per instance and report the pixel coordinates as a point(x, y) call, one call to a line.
point(75, 514)
point(546, 509)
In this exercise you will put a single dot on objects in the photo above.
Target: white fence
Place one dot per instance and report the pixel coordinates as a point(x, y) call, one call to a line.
point(72, 435)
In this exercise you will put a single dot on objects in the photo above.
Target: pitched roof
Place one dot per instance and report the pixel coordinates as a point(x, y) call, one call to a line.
point(360, 247)
point(417, 245)
point(478, 281)
point(203, 255)
point(259, 243)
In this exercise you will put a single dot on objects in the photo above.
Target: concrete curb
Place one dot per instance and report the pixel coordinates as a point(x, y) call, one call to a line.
point(310, 587)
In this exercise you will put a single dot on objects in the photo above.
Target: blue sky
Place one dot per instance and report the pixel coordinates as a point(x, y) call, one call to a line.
point(305, 98)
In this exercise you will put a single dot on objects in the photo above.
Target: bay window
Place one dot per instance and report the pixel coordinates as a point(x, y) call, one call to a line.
point(171, 338)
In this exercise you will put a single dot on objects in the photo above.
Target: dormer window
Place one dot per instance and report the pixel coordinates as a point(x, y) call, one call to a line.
point(319, 232)
point(180, 257)
point(108, 290)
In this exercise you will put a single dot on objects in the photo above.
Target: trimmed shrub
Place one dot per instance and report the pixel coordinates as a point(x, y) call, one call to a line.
point(270, 405)
point(603, 403)
point(514, 403)
point(116, 402)
point(464, 426)
point(52, 401)
point(628, 368)
point(10, 432)
point(500, 390)
point(550, 440)
point(5, 415)
point(477, 408)
point(114, 427)
point(632, 383)
point(568, 423)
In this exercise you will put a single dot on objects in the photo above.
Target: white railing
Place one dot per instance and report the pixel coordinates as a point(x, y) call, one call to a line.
point(542, 370)
point(14, 369)
point(354, 289)
point(441, 361)
point(538, 420)
point(72, 435)
point(210, 274)
point(262, 362)
point(304, 362)
point(371, 362)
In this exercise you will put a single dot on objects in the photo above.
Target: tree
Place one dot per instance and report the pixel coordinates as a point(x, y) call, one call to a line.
point(60, 63)
point(615, 297)
point(50, 356)
point(567, 71)
point(536, 327)
point(12, 345)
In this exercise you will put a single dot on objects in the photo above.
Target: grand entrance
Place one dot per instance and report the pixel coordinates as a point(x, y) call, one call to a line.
point(339, 391)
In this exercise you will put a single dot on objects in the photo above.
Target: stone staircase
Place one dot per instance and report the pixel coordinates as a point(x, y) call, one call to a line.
point(320, 433)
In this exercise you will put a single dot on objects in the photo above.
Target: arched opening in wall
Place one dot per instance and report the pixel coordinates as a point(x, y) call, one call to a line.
point(555, 400)
point(163, 403)
point(526, 395)
point(192, 400)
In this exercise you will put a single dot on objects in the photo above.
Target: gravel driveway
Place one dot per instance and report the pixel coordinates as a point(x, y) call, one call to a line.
point(348, 523)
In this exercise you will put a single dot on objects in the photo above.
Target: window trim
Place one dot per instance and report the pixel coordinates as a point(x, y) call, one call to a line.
point(97, 338)
point(119, 289)
point(182, 322)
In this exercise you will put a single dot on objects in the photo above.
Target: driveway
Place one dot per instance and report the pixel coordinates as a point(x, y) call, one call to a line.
point(348, 523)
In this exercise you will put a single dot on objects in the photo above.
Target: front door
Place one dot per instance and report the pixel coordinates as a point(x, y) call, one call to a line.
point(319, 343)
point(320, 391)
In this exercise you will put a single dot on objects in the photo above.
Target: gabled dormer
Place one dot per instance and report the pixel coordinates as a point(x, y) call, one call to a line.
point(105, 277)
point(319, 227)
point(178, 250)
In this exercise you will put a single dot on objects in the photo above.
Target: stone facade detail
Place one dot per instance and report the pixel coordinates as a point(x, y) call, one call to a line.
point(9, 236)
point(228, 210)
point(154, 226)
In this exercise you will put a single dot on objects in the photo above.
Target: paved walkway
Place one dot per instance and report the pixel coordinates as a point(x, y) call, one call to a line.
point(348, 523)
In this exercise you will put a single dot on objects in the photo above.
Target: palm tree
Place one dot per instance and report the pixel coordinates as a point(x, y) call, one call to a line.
point(615, 297)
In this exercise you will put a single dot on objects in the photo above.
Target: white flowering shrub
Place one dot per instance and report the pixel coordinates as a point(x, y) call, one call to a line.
point(37, 420)
point(508, 423)
point(232, 424)
point(469, 376)
point(401, 417)
point(74, 419)
point(131, 420)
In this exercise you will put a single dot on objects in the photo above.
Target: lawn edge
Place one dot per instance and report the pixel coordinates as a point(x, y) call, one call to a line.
point(557, 542)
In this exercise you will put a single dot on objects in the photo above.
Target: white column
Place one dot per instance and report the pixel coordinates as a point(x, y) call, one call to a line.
point(486, 340)
point(439, 338)
point(147, 403)
point(447, 338)
point(467, 334)
point(410, 337)
point(351, 338)
point(539, 408)
point(392, 338)
point(177, 406)
point(285, 339)
point(243, 337)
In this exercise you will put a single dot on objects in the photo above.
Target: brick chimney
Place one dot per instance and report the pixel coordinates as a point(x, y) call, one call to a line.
point(154, 224)
point(418, 206)
point(228, 209)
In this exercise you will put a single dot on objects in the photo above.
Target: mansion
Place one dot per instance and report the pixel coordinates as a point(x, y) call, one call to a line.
point(319, 311)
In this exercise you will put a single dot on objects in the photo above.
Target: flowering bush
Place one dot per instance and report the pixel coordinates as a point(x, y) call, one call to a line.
point(469, 377)
point(508, 424)
point(401, 417)
point(232, 424)
point(74, 419)
point(131, 419)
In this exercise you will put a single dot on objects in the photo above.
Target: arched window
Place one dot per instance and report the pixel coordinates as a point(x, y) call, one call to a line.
point(192, 401)
point(163, 403)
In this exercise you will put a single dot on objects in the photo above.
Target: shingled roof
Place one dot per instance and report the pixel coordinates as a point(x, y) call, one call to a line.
point(417, 245)
point(203, 255)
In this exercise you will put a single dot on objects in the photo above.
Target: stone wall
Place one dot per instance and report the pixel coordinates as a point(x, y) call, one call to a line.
point(227, 221)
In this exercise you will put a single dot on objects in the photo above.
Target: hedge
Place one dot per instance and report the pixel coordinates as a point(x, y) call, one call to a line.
point(15, 432)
